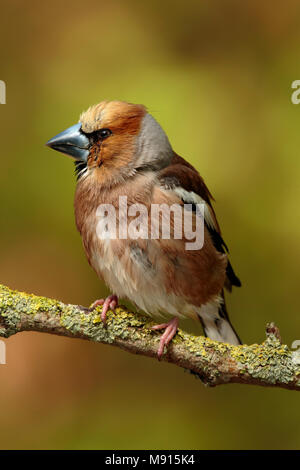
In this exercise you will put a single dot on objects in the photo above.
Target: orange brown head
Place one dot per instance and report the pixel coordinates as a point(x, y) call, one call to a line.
point(113, 140)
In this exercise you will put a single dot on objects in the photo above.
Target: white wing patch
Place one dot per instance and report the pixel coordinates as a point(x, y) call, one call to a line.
point(189, 197)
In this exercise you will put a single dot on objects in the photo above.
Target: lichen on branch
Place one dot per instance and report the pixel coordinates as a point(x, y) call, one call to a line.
point(269, 364)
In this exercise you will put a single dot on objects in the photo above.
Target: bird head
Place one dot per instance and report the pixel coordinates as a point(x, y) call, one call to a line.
point(113, 140)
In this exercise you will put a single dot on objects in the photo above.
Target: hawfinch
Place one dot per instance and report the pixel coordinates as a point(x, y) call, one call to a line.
point(122, 154)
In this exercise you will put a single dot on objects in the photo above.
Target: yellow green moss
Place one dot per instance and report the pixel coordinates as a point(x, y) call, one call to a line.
point(270, 362)
point(13, 304)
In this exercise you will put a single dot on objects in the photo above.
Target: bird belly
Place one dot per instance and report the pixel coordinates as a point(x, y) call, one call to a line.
point(129, 278)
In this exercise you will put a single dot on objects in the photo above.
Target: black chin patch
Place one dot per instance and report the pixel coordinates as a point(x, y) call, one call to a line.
point(79, 168)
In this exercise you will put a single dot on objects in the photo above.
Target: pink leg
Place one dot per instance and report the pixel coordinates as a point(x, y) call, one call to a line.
point(111, 302)
point(170, 331)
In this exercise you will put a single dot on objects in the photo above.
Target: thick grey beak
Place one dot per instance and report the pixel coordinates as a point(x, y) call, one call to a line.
point(72, 142)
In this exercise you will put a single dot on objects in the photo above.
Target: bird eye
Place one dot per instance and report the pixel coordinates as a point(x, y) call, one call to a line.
point(104, 133)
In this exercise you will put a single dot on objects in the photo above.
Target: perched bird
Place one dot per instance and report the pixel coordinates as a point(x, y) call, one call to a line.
point(121, 150)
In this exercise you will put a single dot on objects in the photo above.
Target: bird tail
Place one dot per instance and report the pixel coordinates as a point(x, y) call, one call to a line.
point(216, 324)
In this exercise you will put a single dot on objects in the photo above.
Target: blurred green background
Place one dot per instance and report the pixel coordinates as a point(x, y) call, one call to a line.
point(217, 76)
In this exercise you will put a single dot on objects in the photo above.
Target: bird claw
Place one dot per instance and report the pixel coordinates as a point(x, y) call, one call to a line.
point(110, 303)
point(84, 309)
point(170, 331)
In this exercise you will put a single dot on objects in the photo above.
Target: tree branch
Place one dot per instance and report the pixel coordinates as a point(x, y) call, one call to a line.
point(270, 363)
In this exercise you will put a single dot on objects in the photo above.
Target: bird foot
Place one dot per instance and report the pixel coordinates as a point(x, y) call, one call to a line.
point(170, 331)
point(110, 303)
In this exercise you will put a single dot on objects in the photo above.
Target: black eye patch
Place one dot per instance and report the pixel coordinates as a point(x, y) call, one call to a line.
point(104, 133)
point(98, 136)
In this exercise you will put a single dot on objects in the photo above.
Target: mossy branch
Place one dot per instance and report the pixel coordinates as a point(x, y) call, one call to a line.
point(270, 363)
